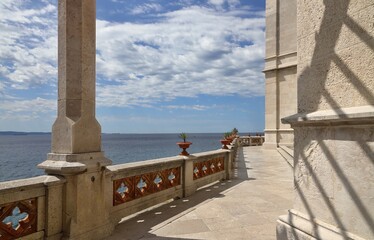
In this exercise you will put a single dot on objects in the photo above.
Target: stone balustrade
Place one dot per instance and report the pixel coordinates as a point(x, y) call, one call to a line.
point(140, 185)
point(33, 208)
point(251, 141)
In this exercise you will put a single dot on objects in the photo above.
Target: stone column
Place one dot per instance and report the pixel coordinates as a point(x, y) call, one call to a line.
point(76, 134)
point(334, 126)
point(280, 71)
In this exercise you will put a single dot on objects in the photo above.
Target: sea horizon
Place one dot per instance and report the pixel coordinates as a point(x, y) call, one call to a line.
point(20, 152)
point(41, 132)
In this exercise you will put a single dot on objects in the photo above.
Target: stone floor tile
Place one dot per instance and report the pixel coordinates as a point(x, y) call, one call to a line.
point(183, 227)
point(245, 207)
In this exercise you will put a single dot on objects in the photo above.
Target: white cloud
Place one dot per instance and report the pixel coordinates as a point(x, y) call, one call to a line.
point(38, 105)
point(189, 107)
point(216, 2)
point(146, 8)
point(232, 4)
point(28, 43)
point(187, 52)
point(25, 110)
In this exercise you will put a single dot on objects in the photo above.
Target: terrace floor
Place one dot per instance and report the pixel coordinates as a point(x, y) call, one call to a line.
point(245, 207)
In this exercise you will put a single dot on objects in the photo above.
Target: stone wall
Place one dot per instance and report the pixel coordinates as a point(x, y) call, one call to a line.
point(334, 127)
point(280, 71)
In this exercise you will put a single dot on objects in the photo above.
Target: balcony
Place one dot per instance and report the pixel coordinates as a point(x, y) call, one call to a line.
point(245, 207)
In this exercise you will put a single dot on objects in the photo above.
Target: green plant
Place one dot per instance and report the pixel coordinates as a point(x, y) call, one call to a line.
point(227, 135)
point(183, 136)
point(234, 131)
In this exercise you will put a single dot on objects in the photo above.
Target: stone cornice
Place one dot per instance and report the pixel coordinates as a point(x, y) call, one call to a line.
point(281, 61)
point(362, 115)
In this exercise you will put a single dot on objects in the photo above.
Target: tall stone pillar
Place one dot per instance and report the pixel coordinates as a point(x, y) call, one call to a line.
point(280, 71)
point(334, 126)
point(76, 134)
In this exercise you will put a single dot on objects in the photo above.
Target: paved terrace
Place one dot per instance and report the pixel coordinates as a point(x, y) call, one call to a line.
point(245, 207)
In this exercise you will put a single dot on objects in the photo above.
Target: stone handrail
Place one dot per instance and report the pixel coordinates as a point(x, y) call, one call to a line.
point(133, 187)
point(251, 141)
point(140, 185)
point(33, 208)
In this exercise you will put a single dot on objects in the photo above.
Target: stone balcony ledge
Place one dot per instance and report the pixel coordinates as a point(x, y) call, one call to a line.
point(348, 116)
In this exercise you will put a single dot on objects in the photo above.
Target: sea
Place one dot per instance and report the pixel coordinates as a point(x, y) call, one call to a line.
point(21, 152)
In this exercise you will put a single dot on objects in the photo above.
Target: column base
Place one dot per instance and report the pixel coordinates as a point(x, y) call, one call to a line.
point(270, 139)
point(85, 208)
point(298, 226)
point(269, 145)
point(71, 164)
point(98, 233)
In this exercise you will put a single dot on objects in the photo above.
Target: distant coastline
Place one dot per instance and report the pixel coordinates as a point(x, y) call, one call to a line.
point(15, 133)
point(23, 133)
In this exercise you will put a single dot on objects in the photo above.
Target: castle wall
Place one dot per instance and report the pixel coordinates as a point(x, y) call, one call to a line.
point(334, 126)
point(280, 71)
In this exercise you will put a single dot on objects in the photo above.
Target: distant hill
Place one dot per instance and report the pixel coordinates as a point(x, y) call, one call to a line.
point(23, 133)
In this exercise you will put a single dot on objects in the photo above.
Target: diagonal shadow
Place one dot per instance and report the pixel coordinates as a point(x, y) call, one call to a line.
point(312, 83)
point(144, 224)
point(348, 186)
point(324, 195)
point(367, 150)
point(320, 64)
point(359, 31)
point(308, 209)
point(349, 74)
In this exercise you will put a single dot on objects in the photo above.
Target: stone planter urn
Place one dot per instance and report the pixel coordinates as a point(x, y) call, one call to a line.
point(184, 146)
point(225, 142)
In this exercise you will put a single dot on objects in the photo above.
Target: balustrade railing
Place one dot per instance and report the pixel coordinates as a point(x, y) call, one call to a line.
point(137, 186)
point(251, 141)
point(27, 205)
point(33, 208)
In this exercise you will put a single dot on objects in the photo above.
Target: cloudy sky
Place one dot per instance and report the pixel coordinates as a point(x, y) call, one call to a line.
point(162, 66)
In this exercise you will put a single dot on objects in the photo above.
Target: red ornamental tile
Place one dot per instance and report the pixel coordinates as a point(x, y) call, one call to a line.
point(208, 167)
point(196, 171)
point(158, 181)
point(130, 188)
point(143, 185)
point(173, 177)
point(123, 190)
point(18, 219)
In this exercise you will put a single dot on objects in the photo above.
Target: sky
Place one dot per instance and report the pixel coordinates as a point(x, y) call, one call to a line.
point(161, 66)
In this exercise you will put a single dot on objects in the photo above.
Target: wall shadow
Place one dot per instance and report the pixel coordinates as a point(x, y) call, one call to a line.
point(144, 224)
point(312, 83)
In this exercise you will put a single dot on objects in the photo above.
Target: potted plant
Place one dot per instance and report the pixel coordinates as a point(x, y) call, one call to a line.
point(184, 145)
point(228, 136)
point(225, 141)
point(234, 132)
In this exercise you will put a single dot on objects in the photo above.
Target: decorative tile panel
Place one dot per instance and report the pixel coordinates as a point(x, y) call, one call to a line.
point(143, 185)
point(173, 177)
point(123, 190)
point(130, 188)
point(18, 219)
point(208, 167)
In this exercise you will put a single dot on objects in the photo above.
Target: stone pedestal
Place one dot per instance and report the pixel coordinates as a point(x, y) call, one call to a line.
point(333, 175)
point(189, 185)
